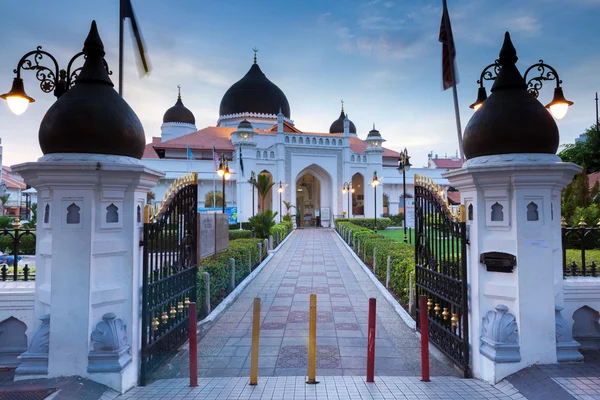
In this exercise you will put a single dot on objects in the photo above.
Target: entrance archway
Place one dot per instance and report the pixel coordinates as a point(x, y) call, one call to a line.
point(313, 197)
point(268, 198)
point(358, 197)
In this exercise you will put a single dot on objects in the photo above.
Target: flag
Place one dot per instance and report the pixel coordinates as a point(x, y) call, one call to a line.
point(215, 158)
point(190, 156)
point(449, 77)
point(241, 163)
point(127, 12)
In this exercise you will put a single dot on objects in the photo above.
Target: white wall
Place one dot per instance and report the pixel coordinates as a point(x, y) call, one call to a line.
point(580, 292)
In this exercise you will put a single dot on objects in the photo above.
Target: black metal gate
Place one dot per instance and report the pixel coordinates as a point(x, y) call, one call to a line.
point(169, 272)
point(441, 271)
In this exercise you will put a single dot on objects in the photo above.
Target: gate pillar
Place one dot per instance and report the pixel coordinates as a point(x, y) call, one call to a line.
point(510, 186)
point(92, 188)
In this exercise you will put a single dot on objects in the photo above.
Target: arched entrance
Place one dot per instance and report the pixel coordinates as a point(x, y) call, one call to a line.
point(358, 197)
point(313, 197)
point(265, 198)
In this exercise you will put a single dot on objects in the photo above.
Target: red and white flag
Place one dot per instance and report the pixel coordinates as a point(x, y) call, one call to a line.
point(215, 158)
point(448, 51)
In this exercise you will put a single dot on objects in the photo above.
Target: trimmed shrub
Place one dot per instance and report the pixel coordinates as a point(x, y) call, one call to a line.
point(26, 244)
point(245, 226)
point(382, 223)
point(397, 219)
point(239, 234)
point(280, 231)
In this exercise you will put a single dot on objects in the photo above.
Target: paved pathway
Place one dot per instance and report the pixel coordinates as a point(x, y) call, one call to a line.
point(312, 261)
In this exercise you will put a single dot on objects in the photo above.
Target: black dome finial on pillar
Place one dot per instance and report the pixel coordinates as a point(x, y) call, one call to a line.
point(93, 69)
point(508, 53)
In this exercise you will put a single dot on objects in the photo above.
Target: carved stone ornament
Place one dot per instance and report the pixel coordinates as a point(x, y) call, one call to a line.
point(499, 337)
point(517, 158)
point(110, 351)
point(566, 346)
point(35, 360)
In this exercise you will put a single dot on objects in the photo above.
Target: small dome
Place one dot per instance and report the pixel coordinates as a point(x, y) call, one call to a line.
point(511, 120)
point(91, 117)
point(374, 133)
point(179, 113)
point(245, 124)
point(338, 125)
point(254, 93)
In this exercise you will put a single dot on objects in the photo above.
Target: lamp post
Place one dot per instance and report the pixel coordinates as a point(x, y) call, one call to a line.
point(224, 173)
point(252, 182)
point(52, 79)
point(280, 190)
point(404, 165)
point(375, 182)
point(558, 106)
point(597, 121)
point(346, 189)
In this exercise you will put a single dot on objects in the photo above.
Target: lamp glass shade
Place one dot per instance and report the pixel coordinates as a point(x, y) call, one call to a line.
point(558, 110)
point(227, 174)
point(17, 104)
point(344, 190)
point(375, 182)
point(477, 106)
point(481, 97)
point(280, 189)
point(220, 172)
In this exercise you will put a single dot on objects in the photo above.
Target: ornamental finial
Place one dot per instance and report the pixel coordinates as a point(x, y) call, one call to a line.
point(342, 105)
point(178, 92)
point(255, 50)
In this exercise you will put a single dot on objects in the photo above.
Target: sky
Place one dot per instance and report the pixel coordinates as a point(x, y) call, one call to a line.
point(382, 57)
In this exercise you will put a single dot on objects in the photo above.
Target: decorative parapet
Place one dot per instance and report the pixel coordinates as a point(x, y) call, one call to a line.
point(252, 115)
point(35, 360)
point(499, 337)
point(566, 346)
point(110, 351)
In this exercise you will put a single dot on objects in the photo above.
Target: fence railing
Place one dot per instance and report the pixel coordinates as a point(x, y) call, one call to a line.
point(581, 250)
point(14, 243)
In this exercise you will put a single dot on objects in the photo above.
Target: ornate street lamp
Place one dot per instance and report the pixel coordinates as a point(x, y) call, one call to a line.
point(52, 79)
point(223, 173)
point(252, 182)
point(404, 165)
point(280, 190)
point(346, 189)
point(558, 106)
point(375, 182)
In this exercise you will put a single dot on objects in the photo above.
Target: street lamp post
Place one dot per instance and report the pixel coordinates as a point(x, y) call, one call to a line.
point(280, 190)
point(558, 106)
point(404, 165)
point(252, 182)
point(375, 182)
point(52, 79)
point(346, 189)
point(224, 173)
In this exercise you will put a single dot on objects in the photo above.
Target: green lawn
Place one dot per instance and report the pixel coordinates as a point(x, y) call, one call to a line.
point(590, 255)
point(398, 234)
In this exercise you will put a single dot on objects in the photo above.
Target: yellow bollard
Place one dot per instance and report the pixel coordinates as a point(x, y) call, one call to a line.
point(312, 341)
point(255, 342)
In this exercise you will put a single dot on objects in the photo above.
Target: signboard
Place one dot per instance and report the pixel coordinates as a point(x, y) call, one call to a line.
point(206, 235)
point(222, 233)
point(325, 217)
point(231, 211)
point(409, 209)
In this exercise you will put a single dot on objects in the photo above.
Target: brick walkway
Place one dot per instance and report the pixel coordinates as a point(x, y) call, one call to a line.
point(312, 261)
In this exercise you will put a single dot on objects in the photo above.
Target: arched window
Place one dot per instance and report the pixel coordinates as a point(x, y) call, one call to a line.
point(294, 139)
point(73, 216)
point(314, 141)
point(470, 212)
point(327, 142)
point(497, 213)
point(258, 154)
point(265, 155)
point(532, 212)
point(321, 141)
point(112, 214)
point(364, 159)
point(352, 158)
point(340, 142)
point(272, 155)
point(301, 141)
point(287, 139)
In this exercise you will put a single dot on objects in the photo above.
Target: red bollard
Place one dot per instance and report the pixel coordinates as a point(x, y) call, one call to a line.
point(371, 341)
point(424, 338)
point(193, 340)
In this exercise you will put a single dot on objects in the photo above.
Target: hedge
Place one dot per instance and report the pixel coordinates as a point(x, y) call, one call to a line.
point(26, 244)
point(219, 269)
point(382, 223)
point(245, 226)
point(239, 234)
point(402, 255)
point(280, 232)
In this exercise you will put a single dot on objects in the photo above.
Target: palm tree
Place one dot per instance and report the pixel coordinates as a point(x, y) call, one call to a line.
point(263, 186)
point(4, 200)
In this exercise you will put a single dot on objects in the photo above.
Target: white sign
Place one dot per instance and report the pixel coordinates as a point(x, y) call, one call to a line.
point(325, 217)
point(409, 209)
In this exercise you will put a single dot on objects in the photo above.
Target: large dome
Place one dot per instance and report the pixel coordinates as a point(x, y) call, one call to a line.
point(179, 113)
point(338, 125)
point(254, 93)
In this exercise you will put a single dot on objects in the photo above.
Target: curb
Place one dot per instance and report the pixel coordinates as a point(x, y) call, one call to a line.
point(236, 292)
point(411, 323)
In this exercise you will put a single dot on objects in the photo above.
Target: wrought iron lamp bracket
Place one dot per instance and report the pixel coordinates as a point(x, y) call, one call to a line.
point(489, 73)
point(546, 73)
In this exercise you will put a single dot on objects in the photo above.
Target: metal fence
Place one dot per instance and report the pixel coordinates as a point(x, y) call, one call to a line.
point(15, 242)
point(581, 249)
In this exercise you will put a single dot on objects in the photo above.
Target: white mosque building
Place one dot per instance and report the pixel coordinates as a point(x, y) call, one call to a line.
point(255, 125)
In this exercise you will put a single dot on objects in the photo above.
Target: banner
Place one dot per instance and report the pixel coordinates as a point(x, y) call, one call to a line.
point(231, 211)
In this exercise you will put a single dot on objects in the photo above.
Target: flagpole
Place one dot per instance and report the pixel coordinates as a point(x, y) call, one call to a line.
point(452, 72)
point(121, 48)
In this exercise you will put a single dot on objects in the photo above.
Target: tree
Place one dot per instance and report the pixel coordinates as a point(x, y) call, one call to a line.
point(4, 200)
point(288, 206)
point(262, 223)
point(263, 186)
point(586, 151)
point(150, 196)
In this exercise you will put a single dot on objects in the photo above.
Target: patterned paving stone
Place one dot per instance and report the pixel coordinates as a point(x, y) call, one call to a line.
point(342, 309)
point(273, 325)
point(284, 295)
point(279, 308)
point(338, 295)
point(347, 326)
point(292, 357)
point(298, 317)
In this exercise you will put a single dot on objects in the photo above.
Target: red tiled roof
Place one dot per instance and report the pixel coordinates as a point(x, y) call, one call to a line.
point(11, 179)
point(593, 178)
point(149, 149)
point(202, 139)
point(287, 127)
point(358, 146)
point(454, 197)
point(447, 163)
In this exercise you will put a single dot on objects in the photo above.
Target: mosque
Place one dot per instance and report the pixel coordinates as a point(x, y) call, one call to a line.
point(255, 132)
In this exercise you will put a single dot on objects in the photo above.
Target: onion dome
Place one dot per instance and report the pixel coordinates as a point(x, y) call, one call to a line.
point(374, 133)
point(245, 124)
point(511, 120)
point(338, 125)
point(254, 93)
point(91, 117)
point(179, 113)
